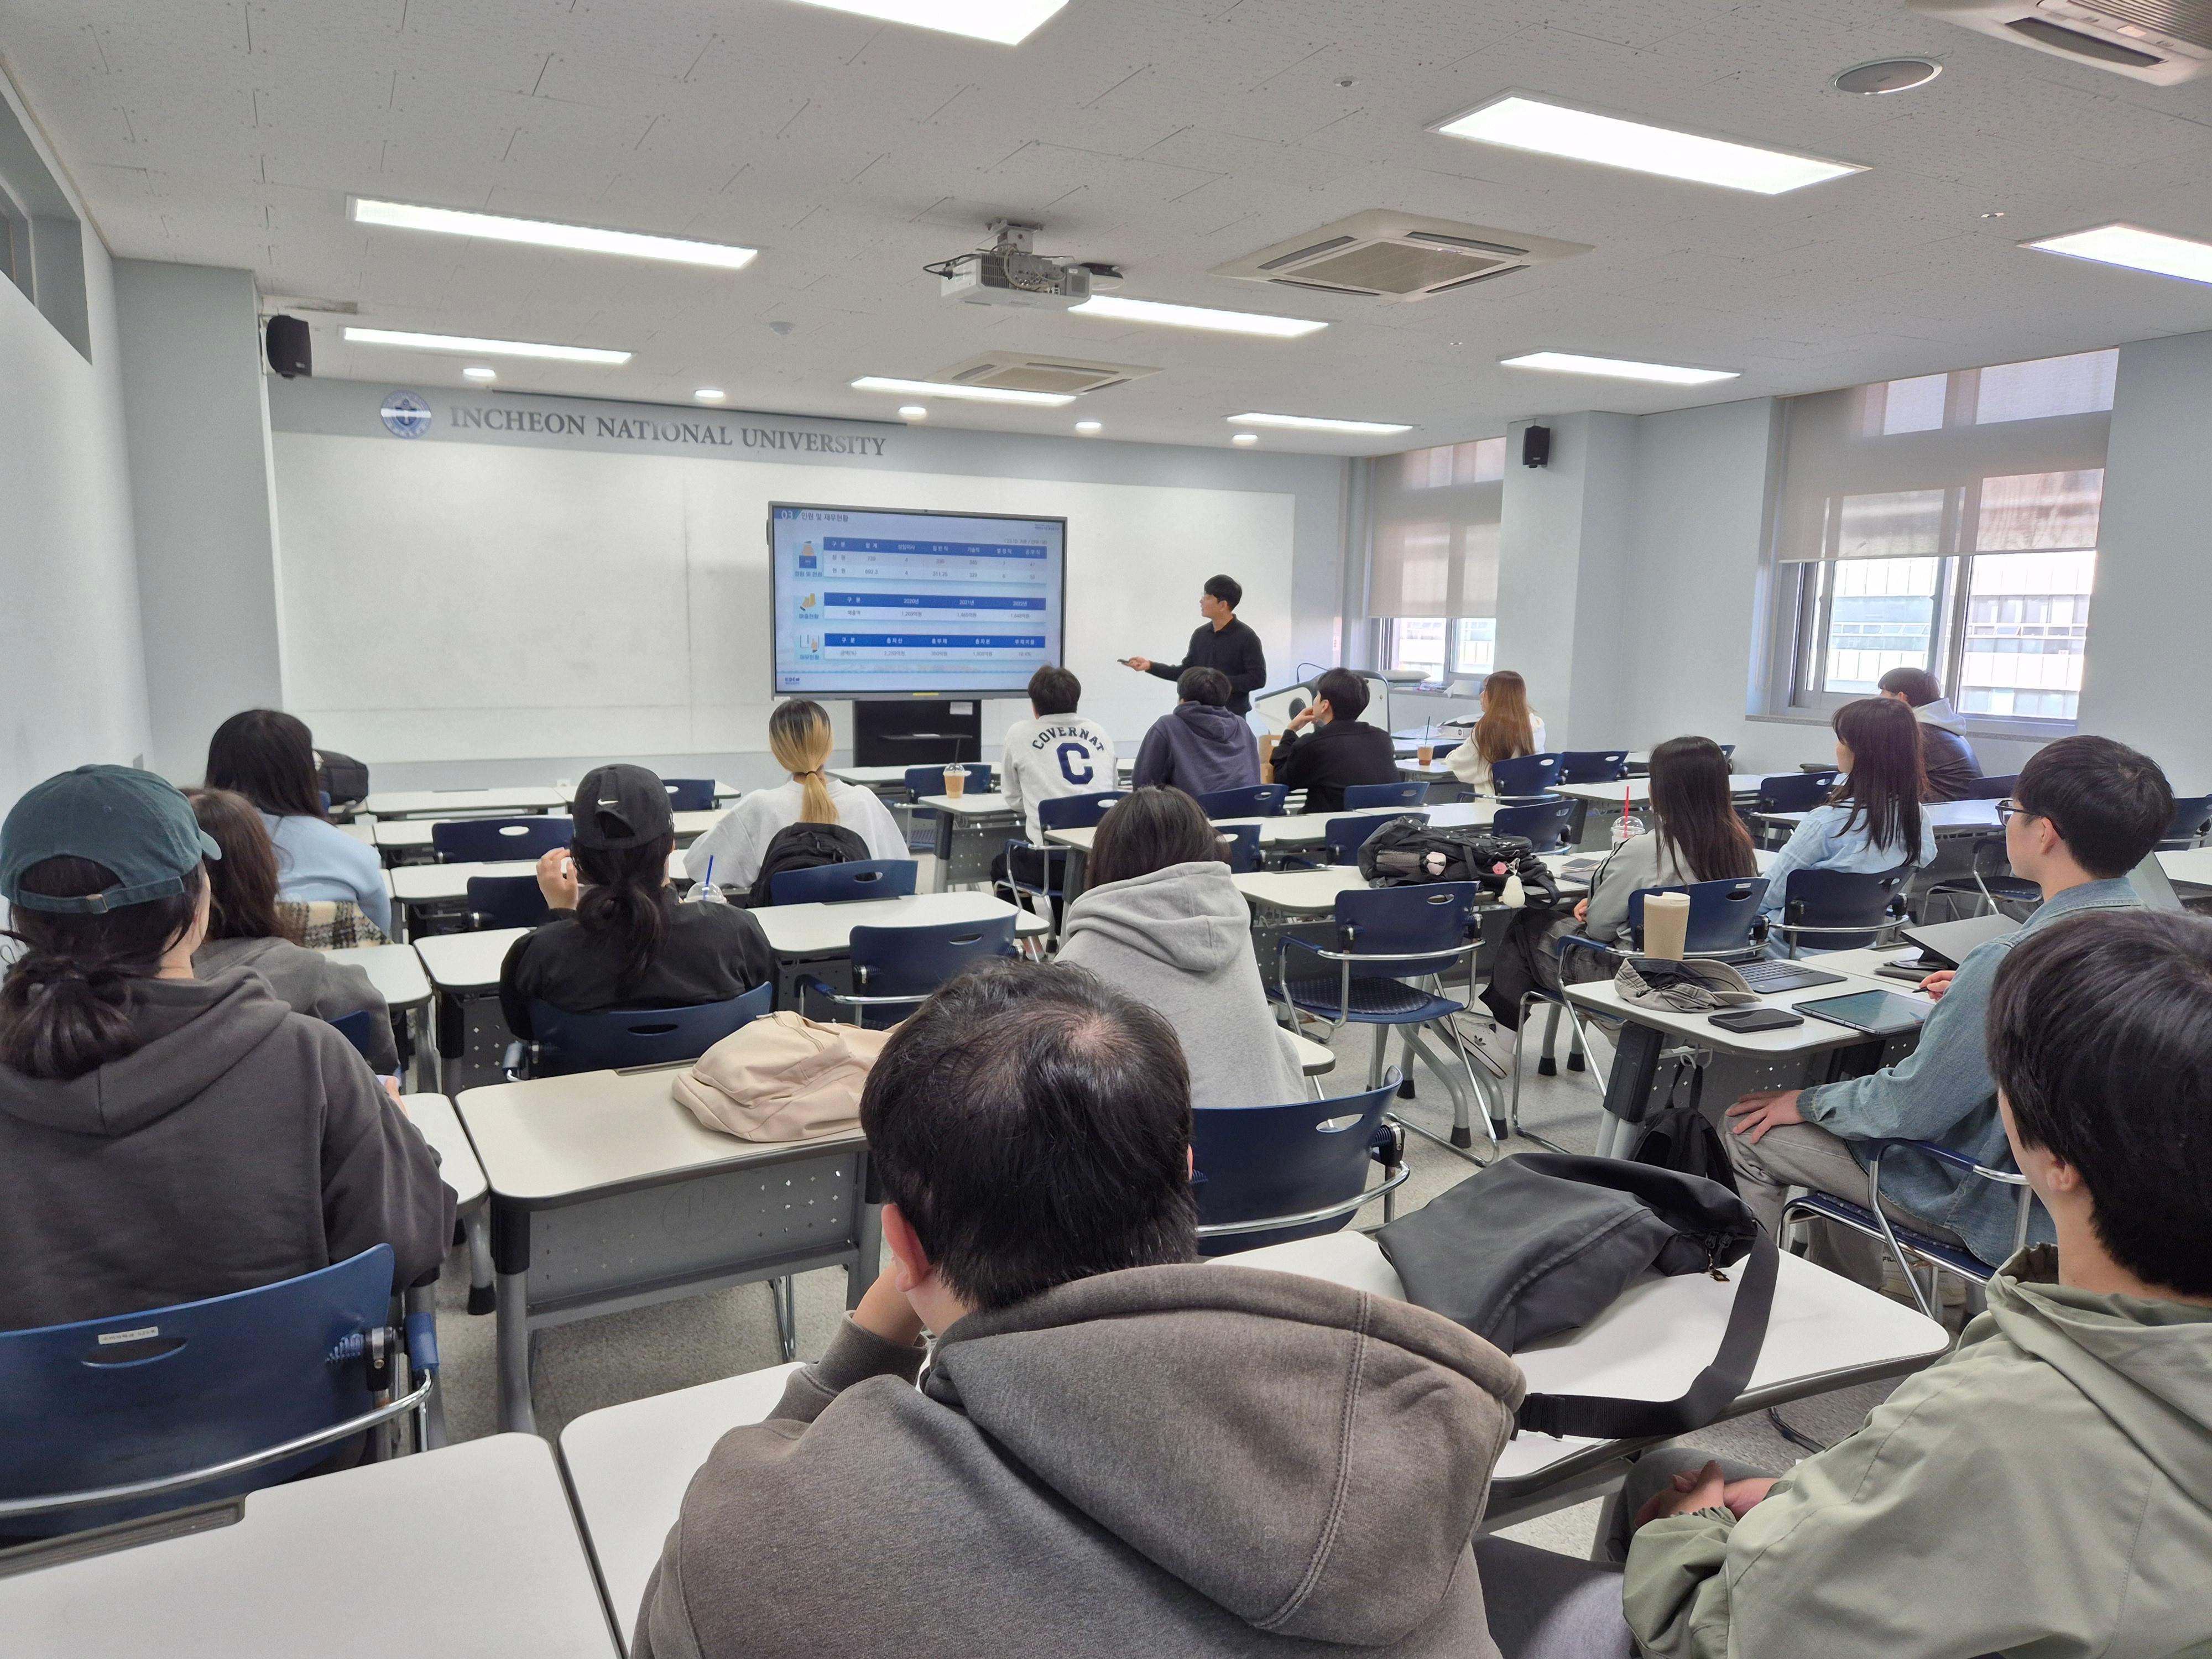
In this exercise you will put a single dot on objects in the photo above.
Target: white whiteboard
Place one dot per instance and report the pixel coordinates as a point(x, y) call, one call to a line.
point(466, 601)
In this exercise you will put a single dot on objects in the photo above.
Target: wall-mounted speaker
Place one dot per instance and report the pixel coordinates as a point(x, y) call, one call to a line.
point(1536, 446)
point(290, 350)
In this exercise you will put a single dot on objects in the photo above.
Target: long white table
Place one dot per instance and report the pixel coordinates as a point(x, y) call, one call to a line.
point(473, 1548)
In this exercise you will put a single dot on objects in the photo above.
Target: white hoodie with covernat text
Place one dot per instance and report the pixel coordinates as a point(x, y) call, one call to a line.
point(1048, 755)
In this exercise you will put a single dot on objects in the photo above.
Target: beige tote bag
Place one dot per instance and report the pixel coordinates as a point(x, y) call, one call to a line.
point(783, 1077)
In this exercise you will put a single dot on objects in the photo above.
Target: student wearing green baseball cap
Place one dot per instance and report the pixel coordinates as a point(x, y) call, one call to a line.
point(164, 1137)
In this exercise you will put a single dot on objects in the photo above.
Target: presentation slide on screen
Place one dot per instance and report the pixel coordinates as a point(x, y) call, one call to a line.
point(877, 603)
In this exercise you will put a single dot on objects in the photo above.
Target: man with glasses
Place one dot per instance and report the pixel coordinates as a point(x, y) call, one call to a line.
point(2088, 811)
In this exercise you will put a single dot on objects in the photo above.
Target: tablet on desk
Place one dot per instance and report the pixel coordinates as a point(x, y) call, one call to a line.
point(1878, 1013)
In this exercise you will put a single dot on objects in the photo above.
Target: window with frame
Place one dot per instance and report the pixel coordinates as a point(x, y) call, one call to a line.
point(1432, 575)
point(1946, 522)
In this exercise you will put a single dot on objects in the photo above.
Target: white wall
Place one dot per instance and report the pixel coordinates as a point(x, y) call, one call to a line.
point(201, 502)
point(72, 689)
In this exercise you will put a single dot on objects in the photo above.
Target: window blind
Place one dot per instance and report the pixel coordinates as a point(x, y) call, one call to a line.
point(1432, 519)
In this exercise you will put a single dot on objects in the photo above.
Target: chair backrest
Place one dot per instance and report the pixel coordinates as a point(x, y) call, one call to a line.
point(1991, 788)
point(897, 962)
point(930, 779)
point(689, 795)
point(616, 1038)
point(107, 1402)
point(1544, 823)
point(356, 1028)
point(1345, 836)
point(1254, 800)
point(1075, 811)
point(1442, 916)
point(506, 902)
point(1257, 1162)
point(1728, 749)
point(1525, 776)
point(837, 883)
point(1593, 765)
point(494, 841)
point(1795, 791)
point(2193, 818)
point(1411, 792)
point(1243, 840)
point(1722, 913)
point(1841, 899)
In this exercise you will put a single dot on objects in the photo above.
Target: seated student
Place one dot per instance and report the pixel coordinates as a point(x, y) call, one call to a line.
point(1341, 749)
point(1506, 731)
point(1696, 835)
point(2089, 811)
point(1115, 1449)
point(1052, 754)
point(617, 936)
point(268, 757)
point(245, 930)
point(2045, 1488)
point(800, 738)
point(1199, 744)
point(164, 1137)
point(1873, 822)
point(1945, 755)
point(1160, 920)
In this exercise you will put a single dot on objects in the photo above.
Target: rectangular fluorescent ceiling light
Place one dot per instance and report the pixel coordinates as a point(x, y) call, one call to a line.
point(559, 354)
point(542, 232)
point(2136, 248)
point(1618, 368)
point(1006, 22)
point(1519, 123)
point(973, 394)
point(1116, 309)
point(1317, 424)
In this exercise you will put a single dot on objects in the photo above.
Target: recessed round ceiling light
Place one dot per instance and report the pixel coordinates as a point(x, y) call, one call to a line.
point(710, 394)
point(480, 372)
point(913, 412)
point(1247, 439)
point(1090, 429)
point(1887, 75)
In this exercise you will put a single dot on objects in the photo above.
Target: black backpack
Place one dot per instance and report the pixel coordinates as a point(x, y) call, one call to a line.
point(1682, 1138)
point(341, 777)
point(803, 847)
point(1411, 852)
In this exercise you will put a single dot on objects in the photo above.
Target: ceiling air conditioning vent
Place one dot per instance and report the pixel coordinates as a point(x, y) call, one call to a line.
point(2161, 41)
point(1022, 371)
point(1385, 255)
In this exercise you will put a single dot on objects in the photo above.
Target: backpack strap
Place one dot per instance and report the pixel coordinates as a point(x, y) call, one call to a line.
point(1605, 1417)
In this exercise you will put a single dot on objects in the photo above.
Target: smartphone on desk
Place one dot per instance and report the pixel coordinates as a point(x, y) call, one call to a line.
point(1757, 1019)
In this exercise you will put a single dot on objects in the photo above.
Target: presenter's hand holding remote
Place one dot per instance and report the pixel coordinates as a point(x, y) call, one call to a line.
point(1142, 664)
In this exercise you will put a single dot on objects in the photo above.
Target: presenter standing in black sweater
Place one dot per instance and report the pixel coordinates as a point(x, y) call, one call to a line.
point(1222, 643)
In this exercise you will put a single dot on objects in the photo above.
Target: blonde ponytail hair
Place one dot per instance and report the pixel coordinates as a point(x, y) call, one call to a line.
point(799, 736)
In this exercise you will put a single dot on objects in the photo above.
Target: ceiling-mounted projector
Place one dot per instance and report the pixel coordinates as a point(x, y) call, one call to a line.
point(1010, 272)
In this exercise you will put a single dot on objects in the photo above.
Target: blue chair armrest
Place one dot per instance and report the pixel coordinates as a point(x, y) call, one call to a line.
point(1576, 942)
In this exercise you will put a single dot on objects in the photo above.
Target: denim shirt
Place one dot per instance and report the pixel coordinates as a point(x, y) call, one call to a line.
point(1943, 1091)
point(1822, 842)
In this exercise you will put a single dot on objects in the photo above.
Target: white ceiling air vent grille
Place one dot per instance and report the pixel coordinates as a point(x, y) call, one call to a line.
point(1396, 255)
point(1022, 371)
point(2161, 41)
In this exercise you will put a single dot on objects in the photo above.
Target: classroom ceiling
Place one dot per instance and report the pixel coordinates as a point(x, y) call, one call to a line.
point(1164, 136)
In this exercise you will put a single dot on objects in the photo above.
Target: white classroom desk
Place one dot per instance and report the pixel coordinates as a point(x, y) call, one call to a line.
point(1942, 817)
point(1288, 830)
point(406, 835)
point(464, 964)
point(811, 939)
point(397, 972)
point(2192, 866)
point(1314, 892)
point(416, 885)
point(473, 1548)
point(1740, 784)
point(464, 803)
point(606, 1194)
point(972, 829)
point(893, 778)
point(434, 1115)
point(363, 832)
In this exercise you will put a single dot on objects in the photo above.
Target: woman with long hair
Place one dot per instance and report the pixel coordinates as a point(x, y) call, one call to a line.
point(246, 929)
point(618, 936)
point(1161, 921)
point(1873, 822)
point(269, 757)
point(1507, 730)
point(166, 1138)
point(1696, 835)
point(800, 738)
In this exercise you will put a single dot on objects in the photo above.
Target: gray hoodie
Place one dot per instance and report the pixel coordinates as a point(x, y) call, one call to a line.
point(308, 982)
point(1189, 1461)
point(1179, 941)
point(239, 1145)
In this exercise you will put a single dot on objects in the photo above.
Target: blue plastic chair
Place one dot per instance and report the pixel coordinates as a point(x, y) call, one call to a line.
point(1360, 797)
point(1059, 813)
point(1842, 909)
point(494, 841)
point(1076, 812)
point(930, 779)
point(1254, 800)
point(1593, 765)
point(618, 1039)
point(2192, 820)
point(1393, 946)
point(1267, 1175)
point(839, 883)
point(356, 1028)
point(1243, 848)
point(896, 969)
point(109, 1420)
point(1524, 776)
point(689, 795)
point(506, 902)
point(1546, 823)
point(1991, 788)
point(1345, 836)
point(1795, 791)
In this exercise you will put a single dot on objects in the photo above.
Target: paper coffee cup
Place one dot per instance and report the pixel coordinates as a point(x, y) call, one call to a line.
point(1666, 924)
point(955, 780)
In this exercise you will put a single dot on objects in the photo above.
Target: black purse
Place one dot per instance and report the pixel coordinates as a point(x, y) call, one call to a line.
point(1538, 1243)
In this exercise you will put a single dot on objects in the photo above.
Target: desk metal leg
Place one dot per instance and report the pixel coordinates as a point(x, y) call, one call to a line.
point(515, 1414)
point(483, 1298)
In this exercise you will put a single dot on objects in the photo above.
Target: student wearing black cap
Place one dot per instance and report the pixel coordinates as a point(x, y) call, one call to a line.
point(165, 1138)
point(618, 937)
